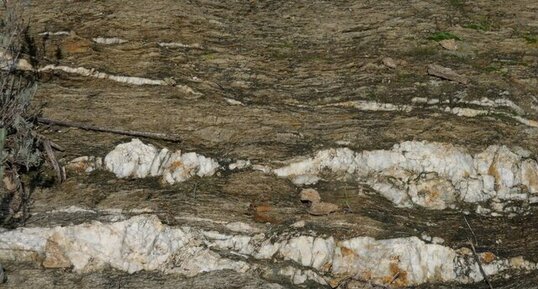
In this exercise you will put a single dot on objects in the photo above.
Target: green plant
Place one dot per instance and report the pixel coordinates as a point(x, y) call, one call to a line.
point(531, 38)
point(485, 23)
point(438, 36)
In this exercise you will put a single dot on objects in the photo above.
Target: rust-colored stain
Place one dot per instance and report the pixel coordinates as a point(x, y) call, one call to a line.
point(487, 257)
point(175, 165)
point(397, 277)
point(492, 171)
point(346, 251)
point(75, 46)
point(326, 267)
point(431, 195)
point(261, 213)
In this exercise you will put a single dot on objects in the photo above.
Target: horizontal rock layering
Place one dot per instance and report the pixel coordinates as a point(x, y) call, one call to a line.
point(431, 175)
point(144, 243)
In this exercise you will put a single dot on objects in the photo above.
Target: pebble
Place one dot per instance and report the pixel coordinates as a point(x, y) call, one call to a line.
point(449, 44)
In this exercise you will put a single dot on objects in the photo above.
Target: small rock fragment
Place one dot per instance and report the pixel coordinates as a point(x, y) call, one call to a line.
point(464, 251)
point(322, 208)
point(449, 44)
point(310, 195)
point(85, 164)
point(239, 165)
point(389, 62)
point(317, 207)
point(262, 213)
point(446, 73)
point(487, 257)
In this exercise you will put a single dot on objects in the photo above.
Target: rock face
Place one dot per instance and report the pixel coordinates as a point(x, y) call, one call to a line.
point(144, 243)
point(431, 175)
point(138, 160)
point(270, 98)
point(426, 174)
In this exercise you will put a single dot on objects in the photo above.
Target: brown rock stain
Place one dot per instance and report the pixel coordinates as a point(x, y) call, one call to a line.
point(54, 255)
point(75, 45)
point(492, 171)
point(262, 213)
point(347, 252)
point(397, 277)
point(175, 165)
point(487, 257)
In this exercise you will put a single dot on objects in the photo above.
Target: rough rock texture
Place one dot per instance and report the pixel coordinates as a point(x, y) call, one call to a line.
point(431, 175)
point(272, 83)
point(138, 160)
point(144, 243)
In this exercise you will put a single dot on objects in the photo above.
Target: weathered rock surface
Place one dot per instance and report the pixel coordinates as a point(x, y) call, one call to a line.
point(144, 243)
point(138, 160)
point(431, 175)
point(259, 86)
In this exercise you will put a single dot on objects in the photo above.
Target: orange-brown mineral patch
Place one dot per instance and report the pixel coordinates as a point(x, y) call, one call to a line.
point(492, 171)
point(487, 257)
point(175, 165)
point(262, 213)
point(346, 251)
point(397, 277)
point(75, 45)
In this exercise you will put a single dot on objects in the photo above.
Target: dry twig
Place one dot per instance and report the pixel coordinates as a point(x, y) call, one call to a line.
point(152, 135)
point(471, 229)
point(475, 255)
point(477, 259)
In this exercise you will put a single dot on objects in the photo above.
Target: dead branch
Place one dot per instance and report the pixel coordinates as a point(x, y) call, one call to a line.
point(145, 134)
point(471, 229)
point(54, 145)
point(60, 173)
point(477, 259)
